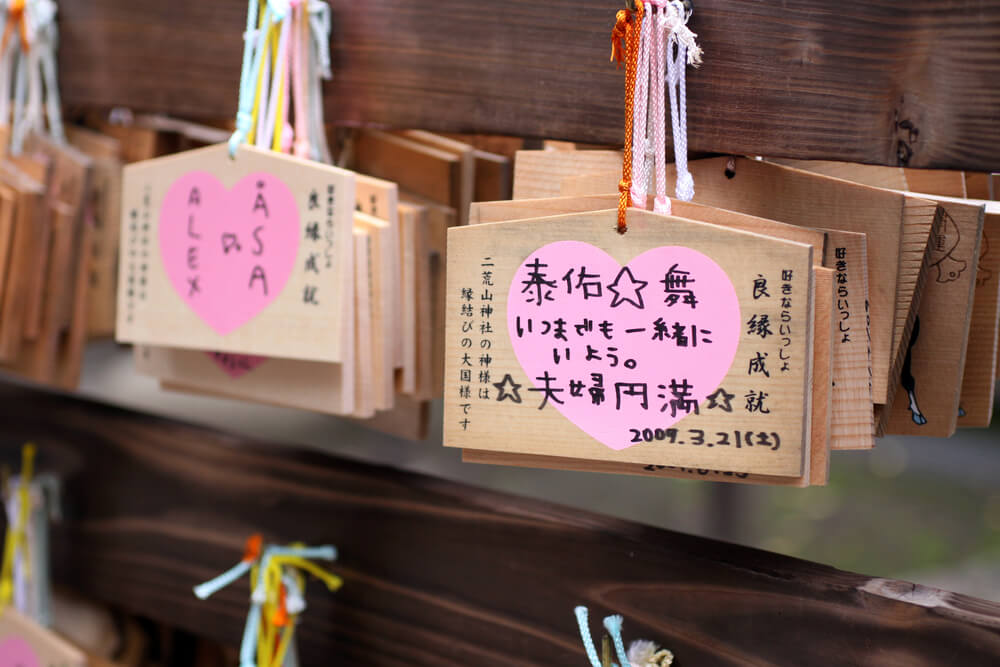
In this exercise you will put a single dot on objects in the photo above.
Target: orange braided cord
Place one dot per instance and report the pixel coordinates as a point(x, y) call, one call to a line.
point(632, 28)
point(16, 19)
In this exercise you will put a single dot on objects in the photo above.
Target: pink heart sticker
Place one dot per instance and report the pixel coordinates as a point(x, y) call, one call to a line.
point(228, 253)
point(236, 365)
point(15, 652)
point(616, 349)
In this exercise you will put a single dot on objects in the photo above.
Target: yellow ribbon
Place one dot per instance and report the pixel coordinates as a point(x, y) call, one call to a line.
point(17, 534)
point(269, 45)
point(273, 641)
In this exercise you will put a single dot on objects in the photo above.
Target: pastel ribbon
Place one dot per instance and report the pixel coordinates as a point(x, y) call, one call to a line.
point(277, 597)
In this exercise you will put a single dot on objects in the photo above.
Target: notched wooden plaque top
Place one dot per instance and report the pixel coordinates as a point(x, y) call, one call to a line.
point(679, 343)
point(248, 255)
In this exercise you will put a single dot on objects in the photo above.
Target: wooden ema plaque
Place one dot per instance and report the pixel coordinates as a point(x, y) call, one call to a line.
point(52, 347)
point(930, 379)
point(308, 385)
point(28, 221)
point(320, 386)
point(897, 229)
point(564, 338)
point(927, 401)
point(823, 402)
point(852, 419)
point(251, 255)
point(25, 643)
point(978, 381)
point(103, 209)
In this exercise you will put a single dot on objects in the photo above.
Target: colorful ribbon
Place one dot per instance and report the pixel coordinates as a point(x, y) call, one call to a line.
point(285, 55)
point(17, 535)
point(277, 585)
point(627, 27)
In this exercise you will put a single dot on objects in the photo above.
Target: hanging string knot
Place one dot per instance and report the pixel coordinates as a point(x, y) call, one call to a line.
point(301, 148)
point(685, 186)
point(279, 8)
point(644, 653)
point(39, 21)
point(618, 37)
point(677, 18)
point(626, 21)
point(320, 24)
point(16, 20)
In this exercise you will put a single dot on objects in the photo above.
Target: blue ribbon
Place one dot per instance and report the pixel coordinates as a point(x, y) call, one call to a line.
point(248, 79)
point(613, 624)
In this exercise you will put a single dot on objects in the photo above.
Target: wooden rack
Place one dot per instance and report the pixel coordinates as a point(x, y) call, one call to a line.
point(882, 82)
point(441, 573)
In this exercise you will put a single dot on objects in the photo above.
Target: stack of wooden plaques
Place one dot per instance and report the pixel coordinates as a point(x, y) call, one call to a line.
point(103, 209)
point(950, 374)
point(59, 240)
point(830, 304)
point(347, 326)
point(55, 200)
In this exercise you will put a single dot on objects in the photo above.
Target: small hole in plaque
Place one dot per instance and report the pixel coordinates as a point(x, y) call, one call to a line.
point(731, 169)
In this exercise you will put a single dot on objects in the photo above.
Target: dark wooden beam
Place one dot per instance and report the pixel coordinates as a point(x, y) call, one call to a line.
point(439, 573)
point(875, 81)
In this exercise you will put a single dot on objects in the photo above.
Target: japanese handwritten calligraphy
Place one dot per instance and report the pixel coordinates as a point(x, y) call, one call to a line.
point(843, 297)
point(614, 346)
point(247, 255)
point(624, 349)
point(228, 252)
point(137, 276)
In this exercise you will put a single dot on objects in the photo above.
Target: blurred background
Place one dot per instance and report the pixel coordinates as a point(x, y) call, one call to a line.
point(925, 510)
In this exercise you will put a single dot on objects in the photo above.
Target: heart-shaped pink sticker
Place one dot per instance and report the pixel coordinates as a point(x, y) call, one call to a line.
point(15, 652)
point(616, 348)
point(228, 253)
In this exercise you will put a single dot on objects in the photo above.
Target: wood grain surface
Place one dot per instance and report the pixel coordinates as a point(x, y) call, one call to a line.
point(732, 257)
point(439, 573)
point(938, 350)
point(884, 82)
point(894, 226)
point(979, 378)
point(852, 421)
point(290, 326)
point(817, 470)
